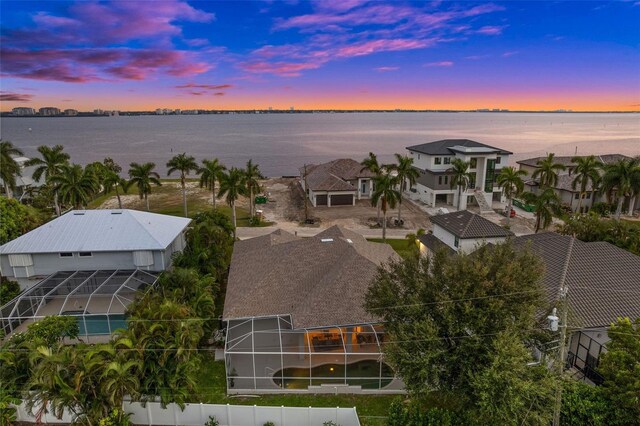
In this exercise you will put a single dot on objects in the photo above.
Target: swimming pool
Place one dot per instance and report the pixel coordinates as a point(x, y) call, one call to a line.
point(92, 325)
point(367, 373)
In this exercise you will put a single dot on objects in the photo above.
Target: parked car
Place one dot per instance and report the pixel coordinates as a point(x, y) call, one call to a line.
point(506, 209)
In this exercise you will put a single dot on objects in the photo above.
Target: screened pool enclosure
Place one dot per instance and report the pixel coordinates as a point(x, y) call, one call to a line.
point(268, 354)
point(98, 299)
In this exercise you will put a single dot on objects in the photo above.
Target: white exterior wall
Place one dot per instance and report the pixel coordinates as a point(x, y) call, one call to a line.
point(466, 245)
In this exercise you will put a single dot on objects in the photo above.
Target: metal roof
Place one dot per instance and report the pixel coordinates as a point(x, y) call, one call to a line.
point(450, 146)
point(100, 230)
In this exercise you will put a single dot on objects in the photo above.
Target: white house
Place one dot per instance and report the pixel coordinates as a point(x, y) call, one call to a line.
point(25, 181)
point(463, 231)
point(433, 160)
point(93, 240)
point(336, 183)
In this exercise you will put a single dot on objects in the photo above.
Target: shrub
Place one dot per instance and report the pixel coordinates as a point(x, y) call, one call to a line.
point(269, 424)
point(8, 290)
point(212, 421)
point(17, 219)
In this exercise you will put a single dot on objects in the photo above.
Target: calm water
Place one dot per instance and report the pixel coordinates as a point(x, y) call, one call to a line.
point(281, 143)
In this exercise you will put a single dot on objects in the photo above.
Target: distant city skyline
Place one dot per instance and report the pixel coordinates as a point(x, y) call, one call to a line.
point(349, 54)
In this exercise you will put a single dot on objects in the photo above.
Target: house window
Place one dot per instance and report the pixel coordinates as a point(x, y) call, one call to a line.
point(473, 163)
point(577, 196)
point(437, 160)
point(85, 254)
point(418, 156)
point(66, 254)
point(439, 180)
point(498, 160)
point(447, 160)
point(456, 241)
point(446, 180)
point(588, 195)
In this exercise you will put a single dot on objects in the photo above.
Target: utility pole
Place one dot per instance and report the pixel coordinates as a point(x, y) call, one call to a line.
point(563, 337)
point(306, 207)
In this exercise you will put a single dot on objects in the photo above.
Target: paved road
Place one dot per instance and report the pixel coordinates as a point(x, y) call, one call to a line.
point(244, 233)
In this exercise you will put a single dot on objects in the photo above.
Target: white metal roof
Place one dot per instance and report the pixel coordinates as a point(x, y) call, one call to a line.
point(100, 230)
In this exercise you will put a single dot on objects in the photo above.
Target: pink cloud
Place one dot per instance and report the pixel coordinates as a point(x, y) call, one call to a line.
point(439, 64)
point(374, 46)
point(15, 97)
point(490, 30)
point(510, 53)
point(204, 86)
point(386, 69)
point(285, 69)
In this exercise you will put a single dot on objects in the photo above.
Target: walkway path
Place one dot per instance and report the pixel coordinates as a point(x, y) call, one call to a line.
point(244, 233)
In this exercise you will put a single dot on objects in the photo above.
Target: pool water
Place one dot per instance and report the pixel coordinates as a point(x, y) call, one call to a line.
point(98, 324)
point(362, 373)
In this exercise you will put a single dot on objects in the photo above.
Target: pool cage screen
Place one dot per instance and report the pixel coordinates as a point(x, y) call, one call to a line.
point(98, 299)
point(268, 354)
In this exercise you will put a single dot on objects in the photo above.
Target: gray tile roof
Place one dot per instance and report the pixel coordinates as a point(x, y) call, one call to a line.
point(319, 283)
point(434, 244)
point(566, 160)
point(464, 224)
point(334, 175)
point(443, 147)
point(100, 230)
point(603, 280)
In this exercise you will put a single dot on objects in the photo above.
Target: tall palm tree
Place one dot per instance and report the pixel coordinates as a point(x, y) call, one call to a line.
point(371, 163)
point(75, 185)
point(460, 177)
point(143, 176)
point(112, 181)
point(9, 169)
point(406, 173)
point(184, 164)
point(387, 194)
point(587, 171)
point(510, 180)
point(547, 171)
point(210, 173)
point(51, 164)
point(623, 177)
point(546, 204)
point(252, 176)
point(232, 186)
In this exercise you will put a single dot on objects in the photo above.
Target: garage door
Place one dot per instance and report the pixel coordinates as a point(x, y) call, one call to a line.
point(321, 200)
point(342, 200)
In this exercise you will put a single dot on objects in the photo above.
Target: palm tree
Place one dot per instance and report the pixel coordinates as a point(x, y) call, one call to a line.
point(406, 173)
point(143, 176)
point(113, 181)
point(9, 169)
point(546, 204)
point(510, 180)
point(460, 177)
point(232, 186)
point(547, 171)
point(587, 171)
point(183, 164)
point(75, 185)
point(388, 196)
point(210, 173)
point(371, 163)
point(623, 177)
point(251, 179)
point(51, 164)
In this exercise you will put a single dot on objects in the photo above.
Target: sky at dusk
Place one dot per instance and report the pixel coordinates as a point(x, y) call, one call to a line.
point(346, 54)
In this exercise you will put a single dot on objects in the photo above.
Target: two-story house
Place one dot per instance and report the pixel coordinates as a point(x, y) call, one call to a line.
point(434, 159)
point(336, 183)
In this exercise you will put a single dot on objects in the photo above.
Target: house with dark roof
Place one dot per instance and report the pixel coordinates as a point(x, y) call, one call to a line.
point(569, 196)
point(433, 160)
point(295, 316)
point(462, 231)
point(336, 183)
point(602, 283)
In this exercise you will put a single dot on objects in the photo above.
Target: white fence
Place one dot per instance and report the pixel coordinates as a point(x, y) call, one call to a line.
point(227, 415)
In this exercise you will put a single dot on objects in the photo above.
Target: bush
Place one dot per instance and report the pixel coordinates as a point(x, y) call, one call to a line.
point(414, 415)
point(212, 422)
point(17, 219)
point(602, 208)
point(8, 290)
point(269, 424)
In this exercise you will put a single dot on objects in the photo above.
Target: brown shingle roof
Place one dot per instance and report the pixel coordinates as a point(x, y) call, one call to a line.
point(566, 160)
point(603, 280)
point(318, 283)
point(333, 176)
point(464, 224)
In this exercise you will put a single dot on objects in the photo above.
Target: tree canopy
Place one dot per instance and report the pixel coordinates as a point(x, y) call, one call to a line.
point(17, 219)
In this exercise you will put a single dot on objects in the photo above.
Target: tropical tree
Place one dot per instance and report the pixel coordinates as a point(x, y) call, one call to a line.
point(113, 181)
point(75, 185)
point(587, 171)
point(406, 173)
point(623, 177)
point(210, 173)
point(547, 171)
point(51, 164)
point(9, 169)
point(143, 176)
point(371, 163)
point(510, 180)
point(251, 179)
point(232, 186)
point(387, 194)
point(460, 177)
point(17, 219)
point(546, 205)
point(184, 164)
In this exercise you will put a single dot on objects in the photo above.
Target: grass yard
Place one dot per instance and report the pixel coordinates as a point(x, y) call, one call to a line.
point(212, 389)
point(400, 246)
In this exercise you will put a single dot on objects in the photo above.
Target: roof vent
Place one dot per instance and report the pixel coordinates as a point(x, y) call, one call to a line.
point(78, 213)
point(116, 212)
point(349, 241)
point(327, 240)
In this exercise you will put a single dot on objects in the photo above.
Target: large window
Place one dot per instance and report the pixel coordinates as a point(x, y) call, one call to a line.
point(437, 161)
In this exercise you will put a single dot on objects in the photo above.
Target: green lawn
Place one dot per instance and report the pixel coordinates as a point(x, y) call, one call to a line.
point(212, 389)
point(400, 246)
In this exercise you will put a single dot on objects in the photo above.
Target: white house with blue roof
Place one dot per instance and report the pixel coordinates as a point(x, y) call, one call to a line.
point(84, 240)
